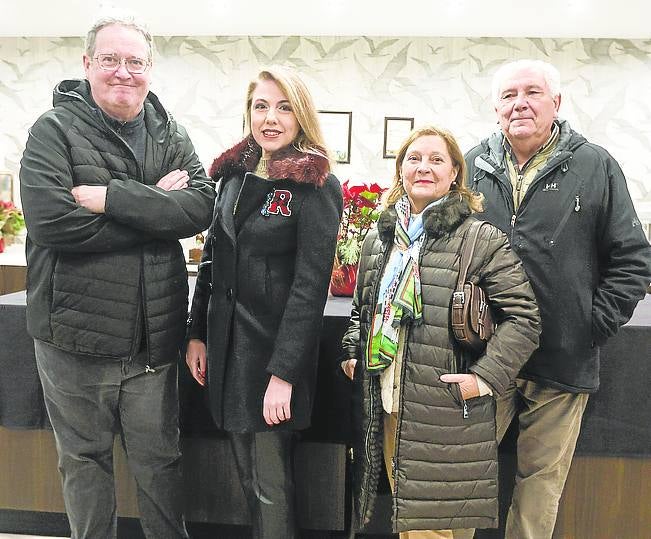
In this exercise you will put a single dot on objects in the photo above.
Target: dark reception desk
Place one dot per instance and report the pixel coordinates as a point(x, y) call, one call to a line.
point(608, 493)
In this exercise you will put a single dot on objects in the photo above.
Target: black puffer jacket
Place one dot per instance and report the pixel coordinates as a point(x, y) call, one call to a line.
point(582, 245)
point(95, 280)
point(263, 282)
point(445, 463)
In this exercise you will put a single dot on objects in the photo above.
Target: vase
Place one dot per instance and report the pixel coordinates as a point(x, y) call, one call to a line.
point(343, 280)
point(2, 244)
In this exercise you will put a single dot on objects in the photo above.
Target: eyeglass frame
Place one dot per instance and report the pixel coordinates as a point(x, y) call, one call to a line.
point(122, 60)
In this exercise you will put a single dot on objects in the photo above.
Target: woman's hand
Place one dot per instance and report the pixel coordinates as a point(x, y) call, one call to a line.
point(195, 357)
point(348, 367)
point(277, 401)
point(467, 384)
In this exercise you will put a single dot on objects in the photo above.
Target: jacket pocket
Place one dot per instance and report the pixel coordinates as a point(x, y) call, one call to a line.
point(572, 208)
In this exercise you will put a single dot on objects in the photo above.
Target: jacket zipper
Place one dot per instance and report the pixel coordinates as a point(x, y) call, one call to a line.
point(367, 436)
point(527, 195)
point(457, 390)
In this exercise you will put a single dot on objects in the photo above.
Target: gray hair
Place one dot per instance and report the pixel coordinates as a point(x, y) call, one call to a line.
point(128, 21)
point(548, 71)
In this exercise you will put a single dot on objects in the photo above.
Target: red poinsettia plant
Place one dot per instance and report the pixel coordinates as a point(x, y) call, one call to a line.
point(11, 219)
point(361, 210)
point(11, 222)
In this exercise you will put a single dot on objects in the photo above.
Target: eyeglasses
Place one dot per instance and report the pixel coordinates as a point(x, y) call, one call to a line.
point(111, 62)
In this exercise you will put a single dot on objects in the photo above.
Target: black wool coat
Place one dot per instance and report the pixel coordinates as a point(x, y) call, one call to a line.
point(263, 282)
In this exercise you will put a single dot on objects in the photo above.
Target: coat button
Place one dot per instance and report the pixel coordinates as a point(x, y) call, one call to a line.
point(229, 294)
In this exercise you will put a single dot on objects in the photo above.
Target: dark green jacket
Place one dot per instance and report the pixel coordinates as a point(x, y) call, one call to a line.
point(582, 245)
point(445, 463)
point(94, 281)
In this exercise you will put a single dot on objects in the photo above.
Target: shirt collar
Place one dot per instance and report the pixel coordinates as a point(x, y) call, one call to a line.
point(553, 137)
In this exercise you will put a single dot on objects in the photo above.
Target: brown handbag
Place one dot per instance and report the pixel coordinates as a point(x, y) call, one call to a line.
point(472, 319)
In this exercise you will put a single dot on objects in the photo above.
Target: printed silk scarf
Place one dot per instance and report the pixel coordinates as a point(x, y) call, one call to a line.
point(399, 297)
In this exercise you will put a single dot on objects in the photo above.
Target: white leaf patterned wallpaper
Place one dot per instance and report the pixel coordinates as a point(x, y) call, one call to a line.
point(445, 81)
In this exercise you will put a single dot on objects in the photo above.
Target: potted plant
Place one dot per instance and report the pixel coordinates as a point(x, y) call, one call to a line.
point(361, 211)
point(12, 223)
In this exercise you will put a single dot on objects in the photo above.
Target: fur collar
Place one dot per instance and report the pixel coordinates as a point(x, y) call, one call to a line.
point(438, 221)
point(287, 163)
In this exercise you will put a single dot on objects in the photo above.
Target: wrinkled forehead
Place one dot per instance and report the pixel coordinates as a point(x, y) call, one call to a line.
point(523, 78)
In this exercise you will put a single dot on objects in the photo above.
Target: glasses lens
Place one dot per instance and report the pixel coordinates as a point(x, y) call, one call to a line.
point(136, 65)
point(108, 61)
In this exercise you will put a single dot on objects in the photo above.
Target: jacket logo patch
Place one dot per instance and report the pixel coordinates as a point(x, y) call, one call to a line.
point(551, 186)
point(277, 203)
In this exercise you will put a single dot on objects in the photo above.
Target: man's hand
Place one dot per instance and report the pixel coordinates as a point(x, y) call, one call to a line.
point(467, 384)
point(91, 197)
point(173, 181)
point(277, 401)
point(195, 357)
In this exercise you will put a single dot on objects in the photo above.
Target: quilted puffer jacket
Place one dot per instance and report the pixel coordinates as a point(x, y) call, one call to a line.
point(99, 283)
point(445, 462)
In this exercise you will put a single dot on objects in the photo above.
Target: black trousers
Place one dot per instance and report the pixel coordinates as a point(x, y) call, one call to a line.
point(265, 462)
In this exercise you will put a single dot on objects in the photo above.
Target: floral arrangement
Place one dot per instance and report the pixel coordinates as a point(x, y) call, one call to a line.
point(361, 210)
point(12, 221)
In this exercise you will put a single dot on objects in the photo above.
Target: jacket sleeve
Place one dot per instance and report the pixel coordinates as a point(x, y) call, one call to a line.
point(53, 217)
point(514, 306)
point(165, 214)
point(299, 328)
point(624, 257)
point(198, 319)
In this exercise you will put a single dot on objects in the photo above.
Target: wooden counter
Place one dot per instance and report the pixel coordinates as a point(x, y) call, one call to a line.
point(608, 494)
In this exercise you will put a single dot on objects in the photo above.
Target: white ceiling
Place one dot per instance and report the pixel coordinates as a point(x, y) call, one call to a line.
point(507, 18)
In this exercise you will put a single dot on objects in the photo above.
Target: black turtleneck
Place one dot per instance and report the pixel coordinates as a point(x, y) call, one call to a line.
point(133, 132)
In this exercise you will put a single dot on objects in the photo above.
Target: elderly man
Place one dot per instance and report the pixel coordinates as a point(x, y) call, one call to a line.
point(109, 183)
point(564, 204)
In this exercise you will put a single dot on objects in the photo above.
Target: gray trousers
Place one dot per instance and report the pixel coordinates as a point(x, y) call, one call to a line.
point(89, 401)
point(265, 463)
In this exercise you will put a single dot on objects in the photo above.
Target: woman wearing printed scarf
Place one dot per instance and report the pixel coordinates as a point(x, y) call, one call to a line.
point(261, 289)
point(424, 409)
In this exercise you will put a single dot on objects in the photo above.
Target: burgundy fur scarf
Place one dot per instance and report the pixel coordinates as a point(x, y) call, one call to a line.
point(287, 163)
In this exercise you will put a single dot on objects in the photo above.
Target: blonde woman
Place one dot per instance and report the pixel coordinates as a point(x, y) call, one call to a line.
point(261, 289)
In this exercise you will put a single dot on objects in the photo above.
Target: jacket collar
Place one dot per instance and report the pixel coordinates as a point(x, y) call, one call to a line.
point(288, 163)
point(78, 90)
point(491, 159)
point(438, 221)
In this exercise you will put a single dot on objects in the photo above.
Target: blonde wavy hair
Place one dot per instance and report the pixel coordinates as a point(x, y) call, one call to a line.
point(309, 138)
point(397, 191)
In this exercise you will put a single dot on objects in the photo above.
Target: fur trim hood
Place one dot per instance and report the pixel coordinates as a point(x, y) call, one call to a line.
point(287, 163)
point(438, 221)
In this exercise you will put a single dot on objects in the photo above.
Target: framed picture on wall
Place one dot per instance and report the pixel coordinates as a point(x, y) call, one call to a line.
point(6, 186)
point(396, 130)
point(336, 127)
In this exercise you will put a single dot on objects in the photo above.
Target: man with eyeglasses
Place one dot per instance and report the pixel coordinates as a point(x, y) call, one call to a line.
point(109, 183)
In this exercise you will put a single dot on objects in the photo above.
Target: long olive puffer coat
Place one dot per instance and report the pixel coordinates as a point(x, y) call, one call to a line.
point(445, 464)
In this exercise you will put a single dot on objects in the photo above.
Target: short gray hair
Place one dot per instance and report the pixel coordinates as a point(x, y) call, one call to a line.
point(548, 71)
point(128, 21)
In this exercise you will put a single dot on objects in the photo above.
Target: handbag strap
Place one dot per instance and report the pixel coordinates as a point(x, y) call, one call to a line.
point(467, 251)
